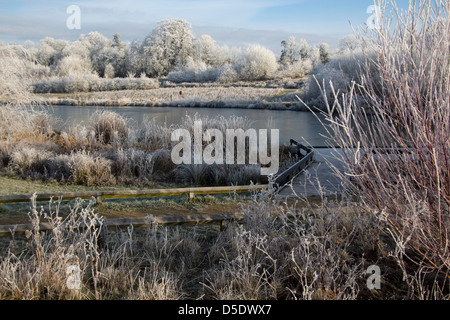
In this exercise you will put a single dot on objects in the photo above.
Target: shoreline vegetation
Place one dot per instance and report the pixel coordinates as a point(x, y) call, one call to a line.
point(385, 238)
point(205, 95)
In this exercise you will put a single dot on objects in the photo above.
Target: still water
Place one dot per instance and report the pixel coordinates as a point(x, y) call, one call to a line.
point(301, 126)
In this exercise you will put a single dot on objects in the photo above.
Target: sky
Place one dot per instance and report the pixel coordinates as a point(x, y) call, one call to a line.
point(230, 22)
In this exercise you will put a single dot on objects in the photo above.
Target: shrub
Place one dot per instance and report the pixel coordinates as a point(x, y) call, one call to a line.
point(162, 163)
point(298, 69)
point(109, 127)
point(257, 63)
point(73, 64)
point(227, 74)
point(153, 136)
point(132, 165)
point(193, 71)
point(89, 83)
point(82, 168)
point(29, 161)
point(406, 111)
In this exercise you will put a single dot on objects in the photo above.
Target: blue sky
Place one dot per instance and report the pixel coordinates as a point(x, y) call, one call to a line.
point(231, 22)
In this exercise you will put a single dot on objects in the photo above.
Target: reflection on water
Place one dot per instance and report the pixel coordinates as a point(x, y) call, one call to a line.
point(301, 126)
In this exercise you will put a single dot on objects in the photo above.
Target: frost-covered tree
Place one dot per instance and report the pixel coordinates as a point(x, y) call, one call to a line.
point(257, 63)
point(98, 46)
point(304, 49)
point(73, 65)
point(50, 51)
point(169, 44)
point(349, 43)
point(324, 51)
point(134, 60)
point(207, 50)
point(117, 42)
point(314, 55)
point(227, 74)
point(193, 71)
point(290, 52)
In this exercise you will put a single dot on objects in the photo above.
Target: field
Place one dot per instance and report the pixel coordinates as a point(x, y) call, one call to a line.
point(247, 95)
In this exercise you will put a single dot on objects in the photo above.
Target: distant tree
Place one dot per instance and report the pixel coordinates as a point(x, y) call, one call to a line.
point(205, 48)
point(304, 49)
point(117, 43)
point(50, 51)
point(98, 46)
point(349, 43)
point(324, 51)
point(169, 44)
point(314, 55)
point(290, 52)
point(73, 65)
point(208, 51)
point(134, 59)
point(257, 63)
point(28, 44)
point(109, 71)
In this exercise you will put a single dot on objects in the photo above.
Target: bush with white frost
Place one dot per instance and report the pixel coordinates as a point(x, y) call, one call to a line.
point(193, 71)
point(227, 74)
point(73, 65)
point(257, 63)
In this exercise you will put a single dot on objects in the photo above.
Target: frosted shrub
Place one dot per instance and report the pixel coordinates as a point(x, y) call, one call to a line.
point(153, 136)
point(29, 160)
point(90, 82)
point(243, 174)
point(14, 75)
point(298, 69)
point(406, 111)
point(89, 170)
point(194, 174)
point(287, 252)
point(257, 63)
point(227, 74)
point(193, 71)
point(341, 70)
point(162, 163)
point(67, 84)
point(71, 65)
point(109, 127)
point(132, 164)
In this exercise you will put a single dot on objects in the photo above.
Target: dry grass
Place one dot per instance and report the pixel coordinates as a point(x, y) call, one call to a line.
point(282, 250)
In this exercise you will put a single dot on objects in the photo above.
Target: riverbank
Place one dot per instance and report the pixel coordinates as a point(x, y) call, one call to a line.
point(254, 95)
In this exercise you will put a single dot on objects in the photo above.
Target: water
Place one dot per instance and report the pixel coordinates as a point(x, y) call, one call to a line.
point(301, 126)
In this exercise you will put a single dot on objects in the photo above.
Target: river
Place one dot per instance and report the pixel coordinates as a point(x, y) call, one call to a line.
point(301, 126)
